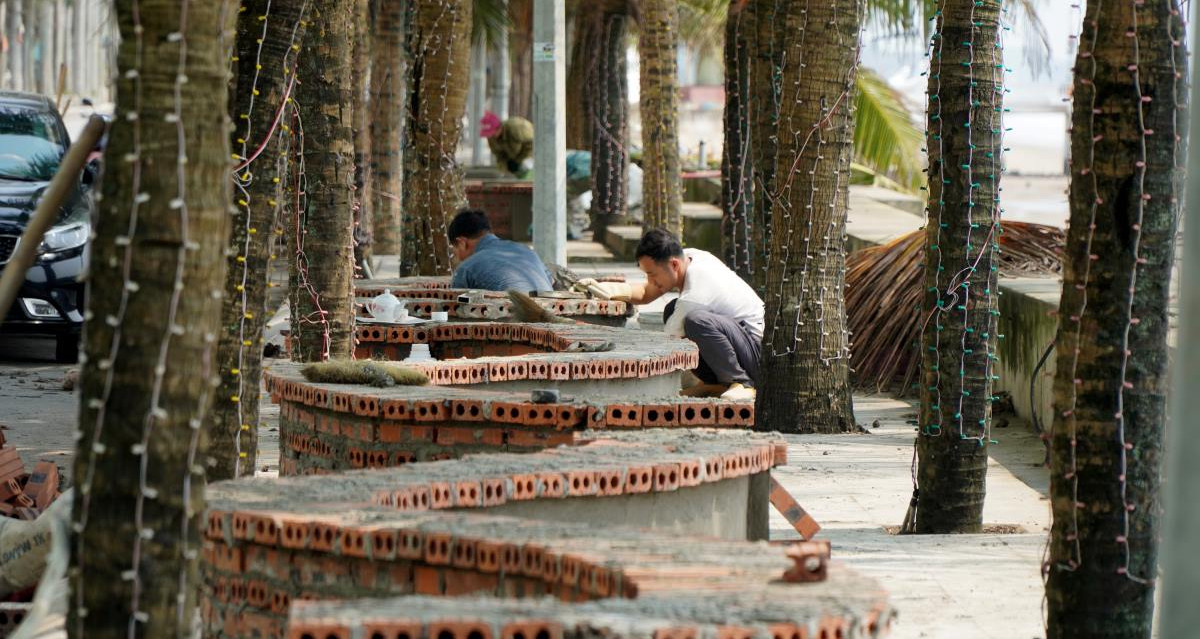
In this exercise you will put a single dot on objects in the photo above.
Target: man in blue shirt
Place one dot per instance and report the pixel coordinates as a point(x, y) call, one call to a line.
point(490, 263)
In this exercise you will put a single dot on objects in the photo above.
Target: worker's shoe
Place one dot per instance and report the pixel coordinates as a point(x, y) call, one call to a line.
point(739, 392)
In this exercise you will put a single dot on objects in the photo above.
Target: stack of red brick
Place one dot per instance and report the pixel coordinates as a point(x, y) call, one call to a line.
point(25, 495)
point(430, 531)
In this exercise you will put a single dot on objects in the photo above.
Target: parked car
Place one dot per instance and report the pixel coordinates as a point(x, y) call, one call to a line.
point(33, 141)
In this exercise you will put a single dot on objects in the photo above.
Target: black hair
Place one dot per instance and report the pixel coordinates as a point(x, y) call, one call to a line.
point(469, 223)
point(659, 245)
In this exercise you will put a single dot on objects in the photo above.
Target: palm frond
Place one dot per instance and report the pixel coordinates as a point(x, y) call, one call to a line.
point(886, 139)
point(884, 289)
point(702, 22)
point(489, 20)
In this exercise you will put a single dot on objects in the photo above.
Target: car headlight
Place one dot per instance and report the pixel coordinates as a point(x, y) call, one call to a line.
point(62, 238)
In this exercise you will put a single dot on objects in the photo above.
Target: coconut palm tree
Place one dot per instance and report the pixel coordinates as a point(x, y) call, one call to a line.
point(439, 47)
point(388, 70)
point(265, 63)
point(658, 37)
point(321, 245)
point(1110, 384)
point(157, 270)
point(958, 336)
point(805, 365)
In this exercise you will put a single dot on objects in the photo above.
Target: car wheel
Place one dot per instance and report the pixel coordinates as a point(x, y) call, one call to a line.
point(66, 350)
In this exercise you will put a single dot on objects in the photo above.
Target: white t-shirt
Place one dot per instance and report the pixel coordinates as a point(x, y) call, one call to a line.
point(709, 284)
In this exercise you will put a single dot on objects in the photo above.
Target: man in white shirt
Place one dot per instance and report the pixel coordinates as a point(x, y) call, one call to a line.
point(716, 309)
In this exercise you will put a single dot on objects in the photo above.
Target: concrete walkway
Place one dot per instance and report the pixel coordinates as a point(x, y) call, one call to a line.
point(945, 586)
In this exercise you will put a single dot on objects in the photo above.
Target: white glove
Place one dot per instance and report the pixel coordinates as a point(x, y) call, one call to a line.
point(619, 291)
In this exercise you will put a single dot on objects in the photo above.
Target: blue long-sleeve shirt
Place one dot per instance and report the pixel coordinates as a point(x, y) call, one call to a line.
point(501, 265)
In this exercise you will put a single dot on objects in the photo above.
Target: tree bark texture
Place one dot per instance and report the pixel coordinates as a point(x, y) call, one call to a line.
point(154, 306)
point(958, 342)
point(608, 78)
point(1110, 384)
point(264, 66)
point(439, 48)
point(363, 225)
point(737, 172)
point(388, 65)
point(520, 39)
point(765, 75)
point(806, 355)
point(658, 39)
point(321, 246)
point(578, 94)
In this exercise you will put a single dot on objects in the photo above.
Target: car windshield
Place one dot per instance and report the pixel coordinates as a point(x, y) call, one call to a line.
point(31, 145)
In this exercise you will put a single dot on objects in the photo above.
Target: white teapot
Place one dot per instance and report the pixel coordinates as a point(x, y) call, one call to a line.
point(383, 307)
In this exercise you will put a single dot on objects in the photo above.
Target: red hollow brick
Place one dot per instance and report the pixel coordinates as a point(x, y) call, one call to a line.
point(399, 629)
point(609, 482)
point(437, 549)
point(551, 485)
point(462, 554)
point(639, 479)
point(581, 483)
point(532, 629)
point(660, 415)
point(666, 477)
point(440, 495)
point(690, 473)
point(623, 415)
point(494, 492)
point(317, 630)
point(468, 494)
point(460, 630)
point(524, 487)
point(676, 632)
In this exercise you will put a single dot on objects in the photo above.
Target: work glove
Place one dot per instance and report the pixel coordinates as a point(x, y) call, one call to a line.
point(619, 291)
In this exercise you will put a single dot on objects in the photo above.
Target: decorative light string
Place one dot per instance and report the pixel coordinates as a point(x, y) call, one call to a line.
point(116, 321)
point(741, 205)
point(436, 178)
point(243, 178)
point(830, 243)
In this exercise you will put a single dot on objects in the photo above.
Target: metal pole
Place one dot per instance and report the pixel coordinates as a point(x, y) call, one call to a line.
point(550, 131)
point(478, 102)
point(46, 212)
point(501, 73)
point(1181, 563)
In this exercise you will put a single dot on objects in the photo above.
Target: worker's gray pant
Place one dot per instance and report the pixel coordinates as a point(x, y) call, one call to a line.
point(729, 350)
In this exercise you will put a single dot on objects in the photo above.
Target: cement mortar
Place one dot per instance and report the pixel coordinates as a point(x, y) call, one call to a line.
point(712, 510)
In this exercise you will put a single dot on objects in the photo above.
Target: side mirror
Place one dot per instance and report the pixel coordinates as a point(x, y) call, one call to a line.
point(91, 171)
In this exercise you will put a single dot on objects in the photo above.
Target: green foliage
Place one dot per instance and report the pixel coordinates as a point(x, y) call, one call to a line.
point(362, 371)
point(886, 139)
point(489, 19)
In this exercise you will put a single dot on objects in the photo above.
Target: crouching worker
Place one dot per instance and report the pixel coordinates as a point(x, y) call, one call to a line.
point(489, 263)
point(716, 309)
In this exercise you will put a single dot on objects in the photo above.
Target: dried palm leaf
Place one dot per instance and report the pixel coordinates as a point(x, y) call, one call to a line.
point(884, 293)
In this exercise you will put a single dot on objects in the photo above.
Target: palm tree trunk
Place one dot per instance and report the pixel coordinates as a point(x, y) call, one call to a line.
point(583, 58)
point(320, 291)
point(610, 119)
point(363, 226)
point(1110, 383)
point(806, 353)
point(765, 69)
point(265, 66)
point(439, 47)
point(154, 307)
point(659, 104)
point(737, 172)
point(958, 342)
point(387, 122)
point(521, 41)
